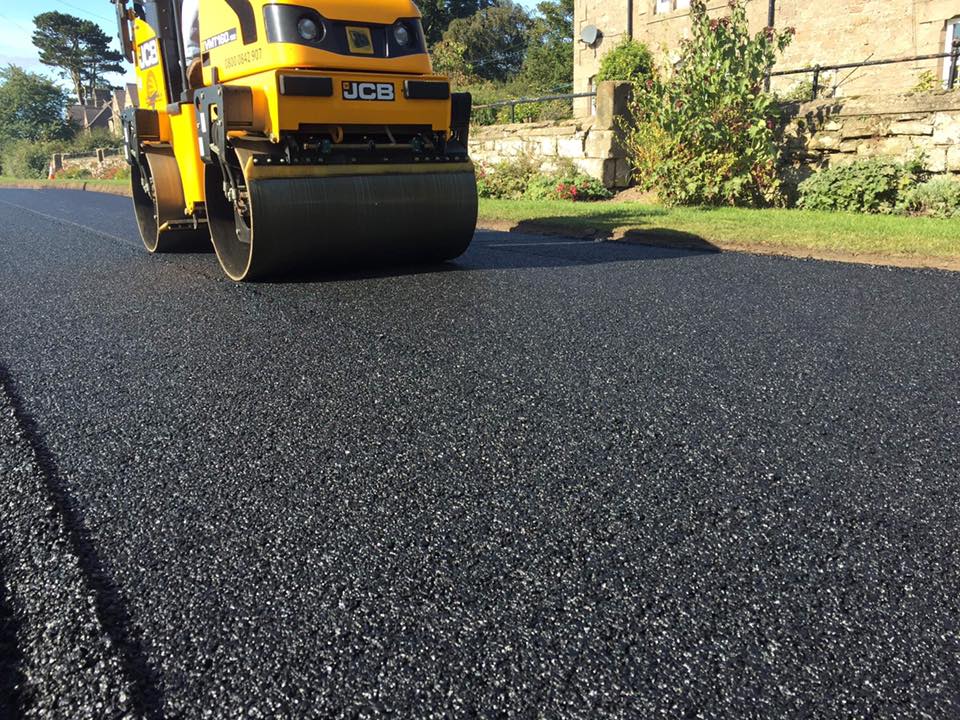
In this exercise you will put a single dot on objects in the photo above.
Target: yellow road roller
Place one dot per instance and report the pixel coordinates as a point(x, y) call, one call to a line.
point(294, 136)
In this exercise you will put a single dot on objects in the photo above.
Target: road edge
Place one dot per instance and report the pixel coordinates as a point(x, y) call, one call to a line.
point(530, 227)
point(69, 661)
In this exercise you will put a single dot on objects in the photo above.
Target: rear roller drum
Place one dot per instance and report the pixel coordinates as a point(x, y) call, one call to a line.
point(158, 205)
point(293, 219)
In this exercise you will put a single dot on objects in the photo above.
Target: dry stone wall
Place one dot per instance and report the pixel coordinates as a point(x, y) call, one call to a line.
point(103, 163)
point(816, 135)
point(902, 127)
point(591, 143)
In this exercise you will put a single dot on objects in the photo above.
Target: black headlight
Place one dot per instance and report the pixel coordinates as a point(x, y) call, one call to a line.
point(402, 35)
point(309, 29)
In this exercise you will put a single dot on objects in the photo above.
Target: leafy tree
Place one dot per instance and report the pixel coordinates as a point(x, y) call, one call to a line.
point(705, 133)
point(78, 47)
point(629, 61)
point(31, 107)
point(495, 39)
point(435, 19)
point(437, 15)
point(548, 64)
point(450, 59)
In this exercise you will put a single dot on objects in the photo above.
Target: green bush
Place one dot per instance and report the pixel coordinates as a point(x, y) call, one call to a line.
point(630, 61)
point(89, 140)
point(799, 92)
point(489, 92)
point(574, 186)
point(871, 186)
point(507, 179)
point(939, 197)
point(25, 159)
point(74, 173)
point(522, 178)
point(704, 134)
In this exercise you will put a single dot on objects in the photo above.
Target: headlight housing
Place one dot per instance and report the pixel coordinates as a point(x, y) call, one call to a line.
point(309, 29)
point(402, 35)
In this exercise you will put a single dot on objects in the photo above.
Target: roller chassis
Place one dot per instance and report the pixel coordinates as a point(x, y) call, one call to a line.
point(280, 170)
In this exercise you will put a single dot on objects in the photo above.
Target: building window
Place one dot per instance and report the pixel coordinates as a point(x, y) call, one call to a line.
point(668, 6)
point(953, 33)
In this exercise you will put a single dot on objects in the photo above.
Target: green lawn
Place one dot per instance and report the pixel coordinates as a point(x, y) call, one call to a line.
point(4, 180)
point(789, 231)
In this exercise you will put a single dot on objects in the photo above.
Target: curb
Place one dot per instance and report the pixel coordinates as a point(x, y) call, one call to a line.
point(121, 190)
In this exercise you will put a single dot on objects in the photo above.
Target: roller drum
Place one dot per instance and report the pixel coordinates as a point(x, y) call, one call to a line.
point(300, 223)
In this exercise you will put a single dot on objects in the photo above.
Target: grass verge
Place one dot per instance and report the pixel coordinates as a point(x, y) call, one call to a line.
point(115, 187)
point(883, 239)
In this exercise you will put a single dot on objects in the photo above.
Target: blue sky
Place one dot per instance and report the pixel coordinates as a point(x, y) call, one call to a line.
point(16, 27)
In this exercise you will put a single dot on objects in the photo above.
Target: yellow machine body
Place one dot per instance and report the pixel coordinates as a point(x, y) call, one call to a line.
point(345, 124)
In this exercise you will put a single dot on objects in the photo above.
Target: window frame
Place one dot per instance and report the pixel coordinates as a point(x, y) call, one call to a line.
point(665, 7)
point(951, 33)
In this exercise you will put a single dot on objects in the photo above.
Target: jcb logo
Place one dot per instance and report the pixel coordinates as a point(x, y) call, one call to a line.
point(368, 91)
point(149, 54)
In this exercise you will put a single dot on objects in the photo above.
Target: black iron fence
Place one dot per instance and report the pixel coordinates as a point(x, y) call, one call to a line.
point(512, 104)
point(816, 71)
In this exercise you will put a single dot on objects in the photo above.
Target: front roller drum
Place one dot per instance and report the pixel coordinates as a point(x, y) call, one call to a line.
point(158, 204)
point(293, 222)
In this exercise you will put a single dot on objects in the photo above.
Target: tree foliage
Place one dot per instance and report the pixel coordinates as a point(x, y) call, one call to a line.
point(548, 63)
point(31, 107)
point(494, 39)
point(705, 133)
point(78, 48)
point(630, 61)
point(437, 15)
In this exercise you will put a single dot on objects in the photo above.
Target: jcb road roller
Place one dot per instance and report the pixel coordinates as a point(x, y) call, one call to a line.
point(303, 135)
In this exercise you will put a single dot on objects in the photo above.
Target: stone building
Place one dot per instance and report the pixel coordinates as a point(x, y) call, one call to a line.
point(103, 109)
point(828, 32)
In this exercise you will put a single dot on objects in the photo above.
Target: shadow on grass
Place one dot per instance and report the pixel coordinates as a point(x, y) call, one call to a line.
point(638, 228)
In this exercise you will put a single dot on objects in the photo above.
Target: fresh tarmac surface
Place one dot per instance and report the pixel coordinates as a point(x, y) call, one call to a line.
point(555, 478)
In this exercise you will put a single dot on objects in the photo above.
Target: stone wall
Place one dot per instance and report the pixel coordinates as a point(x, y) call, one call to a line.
point(591, 142)
point(103, 163)
point(827, 32)
point(840, 131)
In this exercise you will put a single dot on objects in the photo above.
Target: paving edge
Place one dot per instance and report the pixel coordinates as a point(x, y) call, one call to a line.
point(122, 190)
point(619, 235)
point(68, 661)
point(631, 236)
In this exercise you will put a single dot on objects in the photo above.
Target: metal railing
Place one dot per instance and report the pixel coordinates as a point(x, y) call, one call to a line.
point(816, 70)
point(512, 104)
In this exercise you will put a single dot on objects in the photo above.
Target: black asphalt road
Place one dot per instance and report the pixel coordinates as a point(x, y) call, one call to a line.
point(555, 478)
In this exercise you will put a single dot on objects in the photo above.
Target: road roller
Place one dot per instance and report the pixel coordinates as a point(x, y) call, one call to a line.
point(295, 137)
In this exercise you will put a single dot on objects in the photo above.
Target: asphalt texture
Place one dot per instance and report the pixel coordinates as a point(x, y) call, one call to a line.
point(555, 478)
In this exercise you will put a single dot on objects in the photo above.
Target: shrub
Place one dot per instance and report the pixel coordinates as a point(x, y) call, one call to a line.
point(630, 61)
point(926, 82)
point(488, 92)
point(799, 92)
point(522, 178)
point(507, 179)
point(88, 140)
point(566, 186)
point(871, 186)
point(939, 197)
point(25, 159)
point(74, 173)
point(705, 133)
